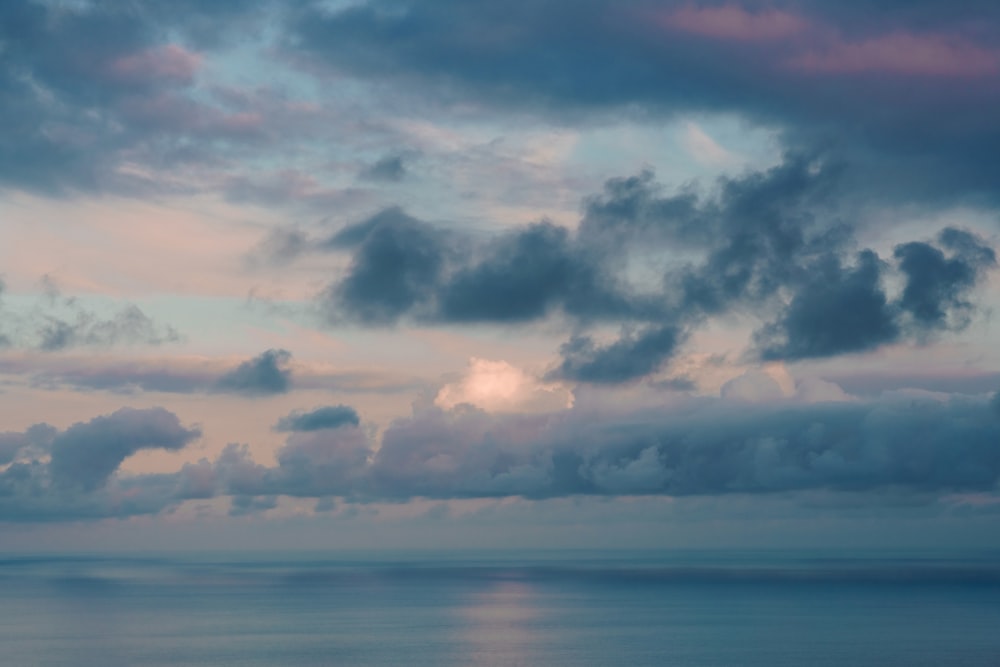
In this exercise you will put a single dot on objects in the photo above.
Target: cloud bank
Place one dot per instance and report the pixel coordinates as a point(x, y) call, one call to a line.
point(899, 446)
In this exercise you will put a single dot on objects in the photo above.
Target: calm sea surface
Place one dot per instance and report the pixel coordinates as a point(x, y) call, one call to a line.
point(562, 609)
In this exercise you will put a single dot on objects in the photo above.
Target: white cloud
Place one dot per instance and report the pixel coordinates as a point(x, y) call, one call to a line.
point(498, 386)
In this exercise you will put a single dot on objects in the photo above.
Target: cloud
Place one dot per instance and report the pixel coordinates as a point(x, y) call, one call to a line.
point(838, 310)
point(753, 386)
point(78, 480)
point(901, 446)
point(265, 374)
point(500, 386)
point(56, 322)
point(904, 92)
point(169, 63)
point(521, 276)
point(87, 453)
point(941, 380)
point(128, 326)
point(318, 419)
point(733, 22)
point(396, 264)
point(33, 442)
point(937, 55)
point(110, 98)
point(661, 265)
point(937, 285)
point(183, 375)
point(631, 357)
point(388, 169)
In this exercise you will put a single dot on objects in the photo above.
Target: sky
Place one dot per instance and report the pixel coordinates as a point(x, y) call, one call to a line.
point(440, 273)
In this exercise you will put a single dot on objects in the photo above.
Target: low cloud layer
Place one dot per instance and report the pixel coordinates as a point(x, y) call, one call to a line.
point(267, 374)
point(899, 446)
point(68, 475)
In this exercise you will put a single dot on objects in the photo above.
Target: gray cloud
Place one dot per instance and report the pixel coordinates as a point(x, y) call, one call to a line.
point(950, 381)
point(899, 448)
point(185, 376)
point(265, 374)
point(33, 442)
point(89, 88)
point(936, 284)
point(395, 267)
point(910, 132)
point(79, 481)
point(918, 447)
point(128, 326)
point(56, 322)
point(837, 310)
point(318, 419)
point(772, 241)
point(630, 357)
point(86, 454)
point(388, 169)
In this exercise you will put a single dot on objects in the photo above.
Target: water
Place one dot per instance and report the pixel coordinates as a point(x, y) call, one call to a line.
point(560, 609)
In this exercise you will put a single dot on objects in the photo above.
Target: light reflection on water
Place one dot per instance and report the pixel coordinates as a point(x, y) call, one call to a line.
point(500, 625)
point(693, 610)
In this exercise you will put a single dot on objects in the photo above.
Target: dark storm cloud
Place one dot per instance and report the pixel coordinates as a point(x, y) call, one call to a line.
point(936, 284)
point(522, 276)
point(771, 241)
point(837, 310)
point(318, 419)
point(630, 357)
point(263, 375)
point(908, 94)
point(394, 270)
point(755, 233)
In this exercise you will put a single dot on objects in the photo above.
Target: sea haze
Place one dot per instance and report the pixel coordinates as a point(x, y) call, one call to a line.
point(687, 609)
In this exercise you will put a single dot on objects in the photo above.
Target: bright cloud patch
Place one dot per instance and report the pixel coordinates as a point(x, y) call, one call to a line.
point(498, 386)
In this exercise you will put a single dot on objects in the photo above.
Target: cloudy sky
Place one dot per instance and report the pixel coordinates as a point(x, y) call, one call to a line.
point(431, 273)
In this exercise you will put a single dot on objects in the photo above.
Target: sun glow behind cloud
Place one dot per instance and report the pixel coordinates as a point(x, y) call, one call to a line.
point(499, 386)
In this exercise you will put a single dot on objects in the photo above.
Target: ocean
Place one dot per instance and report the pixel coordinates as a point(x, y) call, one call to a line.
point(565, 609)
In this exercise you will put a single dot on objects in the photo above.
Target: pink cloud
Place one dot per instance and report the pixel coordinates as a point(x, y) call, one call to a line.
point(903, 53)
point(732, 22)
point(170, 63)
